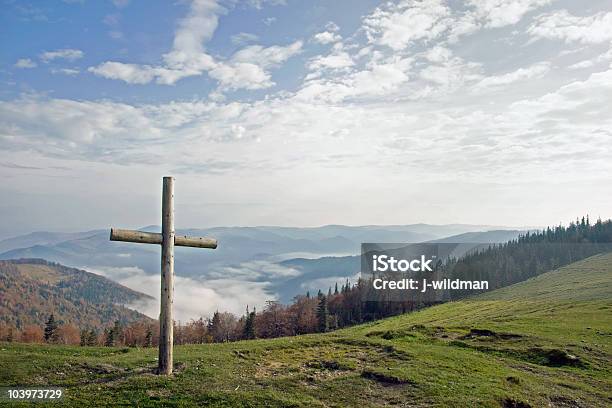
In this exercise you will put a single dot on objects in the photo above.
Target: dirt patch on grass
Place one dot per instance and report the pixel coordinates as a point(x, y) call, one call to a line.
point(391, 334)
point(513, 403)
point(484, 333)
point(328, 365)
point(513, 380)
point(553, 357)
point(102, 369)
point(559, 401)
point(385, 378)
point(269, 369)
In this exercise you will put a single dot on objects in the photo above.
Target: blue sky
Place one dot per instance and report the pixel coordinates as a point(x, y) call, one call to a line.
point(305, 113)
point(141, 32)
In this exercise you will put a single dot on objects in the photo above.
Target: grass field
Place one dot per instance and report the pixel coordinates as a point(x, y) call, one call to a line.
point(545, 342)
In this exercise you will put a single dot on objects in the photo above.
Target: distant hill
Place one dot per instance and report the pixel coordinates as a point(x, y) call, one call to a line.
point(237, 246)
point(42, 238)
point(482, 237)
point(31, 289)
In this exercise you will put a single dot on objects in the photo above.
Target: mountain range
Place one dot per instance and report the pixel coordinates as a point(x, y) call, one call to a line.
point(281, 261)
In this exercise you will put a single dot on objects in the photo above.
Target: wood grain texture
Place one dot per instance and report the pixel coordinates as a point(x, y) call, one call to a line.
point(166, 323)
point(143, 237)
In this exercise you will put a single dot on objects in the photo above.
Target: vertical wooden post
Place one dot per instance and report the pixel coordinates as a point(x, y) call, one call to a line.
point(166, 325)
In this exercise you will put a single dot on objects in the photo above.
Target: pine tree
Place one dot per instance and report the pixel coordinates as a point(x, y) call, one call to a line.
point(249, 325)
point(336, 289)
point(214, 327)
point(92, 338)
point(109, 337)
point(84, 337)
point(149, 337)
point(51, 330)
point(322, 314)
point(117, 333)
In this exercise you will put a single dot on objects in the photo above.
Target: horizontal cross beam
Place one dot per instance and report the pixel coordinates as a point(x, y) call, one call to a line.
point(154, 238)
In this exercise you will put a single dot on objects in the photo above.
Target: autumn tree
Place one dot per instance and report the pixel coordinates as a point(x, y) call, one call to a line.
point(273, 321)
point(67, 334)
point(302, 315)
point(32, 334)
point(223, 327)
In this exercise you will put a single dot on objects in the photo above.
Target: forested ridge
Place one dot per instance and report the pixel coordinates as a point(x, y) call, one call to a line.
point(32, 289)
point(534, 253)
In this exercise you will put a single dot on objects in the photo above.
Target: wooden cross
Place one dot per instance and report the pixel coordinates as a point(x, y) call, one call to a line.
point(168, 239)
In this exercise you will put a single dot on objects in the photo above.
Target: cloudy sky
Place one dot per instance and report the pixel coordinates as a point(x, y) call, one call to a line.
point(289, 112)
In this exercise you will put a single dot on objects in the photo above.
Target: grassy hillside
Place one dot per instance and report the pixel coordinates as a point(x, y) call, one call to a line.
point(546, 342)
point(31, 289)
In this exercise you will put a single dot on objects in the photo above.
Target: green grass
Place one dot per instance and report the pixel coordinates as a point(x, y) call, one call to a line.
point(548, 344)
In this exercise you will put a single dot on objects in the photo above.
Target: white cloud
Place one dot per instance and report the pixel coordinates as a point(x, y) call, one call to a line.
point(534, 71)
point(604, 57)
point(438, 54)
point(259, 4)
point(267, 57)
point(362, 125)
point(377, 79)
point(246, 69)
point(499, 13)
point(66, 53)
point(269, 21)
point(578, 98)
point(337, 60)
point(197, 27)
point(326, 37)
point(464, 25)
point(187, 57)
point(192, 298)
point(399, 25)
point(25, 63)
point(243, 38)
point(561, 25)
point(446, 71)
point(66, 71)
point(130, 73)
point(241, 75)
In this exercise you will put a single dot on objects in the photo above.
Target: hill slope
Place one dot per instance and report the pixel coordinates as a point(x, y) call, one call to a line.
point(30, 289)
point(545, 342)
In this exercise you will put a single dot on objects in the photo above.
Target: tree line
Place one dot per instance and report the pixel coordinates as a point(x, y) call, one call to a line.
point(348, 304)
